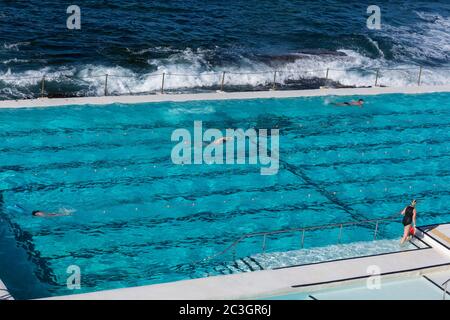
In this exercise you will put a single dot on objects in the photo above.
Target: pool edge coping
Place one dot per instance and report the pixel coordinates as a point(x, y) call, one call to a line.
point(211, 96)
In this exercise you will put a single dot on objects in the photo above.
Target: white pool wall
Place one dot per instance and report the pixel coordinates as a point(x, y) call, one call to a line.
point(45, 102)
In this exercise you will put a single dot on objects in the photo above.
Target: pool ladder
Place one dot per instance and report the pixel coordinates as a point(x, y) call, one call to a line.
point(445, 286)
point(302, 231)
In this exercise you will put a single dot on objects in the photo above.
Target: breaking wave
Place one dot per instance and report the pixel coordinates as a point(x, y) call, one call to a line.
point(426, 43)
point(190, 69)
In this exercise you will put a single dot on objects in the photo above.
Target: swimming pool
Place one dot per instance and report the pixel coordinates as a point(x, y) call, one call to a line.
point(140, 219)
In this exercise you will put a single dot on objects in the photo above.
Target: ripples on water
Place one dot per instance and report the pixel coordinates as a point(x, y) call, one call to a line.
point(140, 219)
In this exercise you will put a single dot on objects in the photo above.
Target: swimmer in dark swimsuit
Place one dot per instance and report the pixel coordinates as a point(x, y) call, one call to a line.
point(409, 217)
point(353, 103)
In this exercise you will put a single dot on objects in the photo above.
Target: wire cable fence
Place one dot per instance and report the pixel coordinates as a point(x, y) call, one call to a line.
point(51, 86)
point(373, 227)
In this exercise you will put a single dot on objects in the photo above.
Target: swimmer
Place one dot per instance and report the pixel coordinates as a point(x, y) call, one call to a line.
point(353, 103)
point(217, 141)
point(42, 214)
point(222, 140)
point(409, 217)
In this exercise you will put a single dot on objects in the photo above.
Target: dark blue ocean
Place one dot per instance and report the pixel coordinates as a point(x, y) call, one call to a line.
point(134, 42)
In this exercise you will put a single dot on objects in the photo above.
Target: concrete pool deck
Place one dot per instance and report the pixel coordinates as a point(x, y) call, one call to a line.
point(305, 278)
point(135, 99)
point(441, 233)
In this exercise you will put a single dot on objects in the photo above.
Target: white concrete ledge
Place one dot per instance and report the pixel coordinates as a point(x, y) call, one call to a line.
point(45, 102)
point(438, 237)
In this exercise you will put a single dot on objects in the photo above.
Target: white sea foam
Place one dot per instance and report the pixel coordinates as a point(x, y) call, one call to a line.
point(192, 69)
point(427, 41)
point(376, 46)
point(30, 77)
point(23, 84)
point(430, 39)
point(15, 46)
point(14, 60)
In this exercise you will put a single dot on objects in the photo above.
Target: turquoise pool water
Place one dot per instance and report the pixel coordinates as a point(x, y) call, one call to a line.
point(141, 220)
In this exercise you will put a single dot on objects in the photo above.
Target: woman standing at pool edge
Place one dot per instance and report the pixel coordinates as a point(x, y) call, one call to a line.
point(409, 216)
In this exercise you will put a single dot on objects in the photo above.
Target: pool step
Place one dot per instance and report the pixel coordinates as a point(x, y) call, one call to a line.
point(274, 260)
point(246, 264)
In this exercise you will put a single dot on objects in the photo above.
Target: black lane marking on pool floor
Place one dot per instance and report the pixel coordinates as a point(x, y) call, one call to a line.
point(328, 195)
point(24, 239)
point(331, 197)
point(380, 161)
point(151, 222)
point(361, 147)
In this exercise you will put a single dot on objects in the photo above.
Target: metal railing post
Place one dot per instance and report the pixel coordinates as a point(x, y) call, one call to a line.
point(445, 284)
point(223, 81)
point(162, 82)
point(376, 77)
point(274, 87)
point(445, 291)
point(43, 87)
point(340, 234)
point(376, 231)
point(420, 76)
point(264, 244)
point(303, 238)
point(106, 84)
